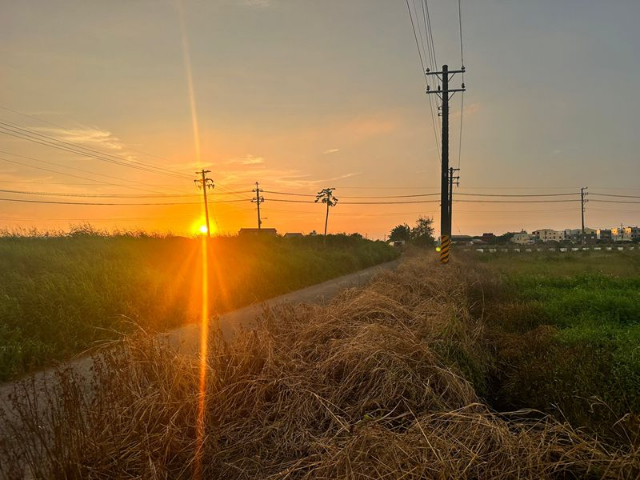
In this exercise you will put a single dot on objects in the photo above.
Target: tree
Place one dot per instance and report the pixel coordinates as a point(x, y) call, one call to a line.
point(400, 233)
point(422, 233)
point(326, 196)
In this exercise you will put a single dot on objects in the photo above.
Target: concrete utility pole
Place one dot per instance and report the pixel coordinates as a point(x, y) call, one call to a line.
point(583, 201)
point(445, 94)
point(452, 179)
point(258, 200)
point(326, 196)
point(203, 183)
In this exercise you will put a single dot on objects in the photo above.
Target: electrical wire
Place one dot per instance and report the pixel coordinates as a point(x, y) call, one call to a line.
point(98, 195)
point(612, 195)
point(87, 151)
point(75, 169)
point(20, 200)
point(65, 129)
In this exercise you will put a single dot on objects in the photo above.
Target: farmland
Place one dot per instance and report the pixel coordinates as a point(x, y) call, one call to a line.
point(61, 295)
point(415, 376)
point(567, 332)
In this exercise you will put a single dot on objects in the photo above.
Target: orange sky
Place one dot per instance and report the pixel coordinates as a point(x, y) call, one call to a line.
point(306, 95)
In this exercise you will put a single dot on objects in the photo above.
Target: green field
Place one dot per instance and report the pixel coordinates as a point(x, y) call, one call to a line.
point(62, 295)
point(566, 329)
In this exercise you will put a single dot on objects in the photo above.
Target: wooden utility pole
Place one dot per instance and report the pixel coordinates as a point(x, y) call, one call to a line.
point(445, 93)
point(582, 209)
point(258, 200)
point(204, 183)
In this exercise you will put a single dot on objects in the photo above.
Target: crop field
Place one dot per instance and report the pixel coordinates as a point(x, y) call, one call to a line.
point(567, 333)
point(428, 372)
point(62, 295)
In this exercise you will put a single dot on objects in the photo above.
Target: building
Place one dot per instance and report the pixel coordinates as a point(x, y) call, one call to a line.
point(549, 235)
point(625, 234)
point(575, 235)
point(522, 238)
point(293, 235)
point(632, 233)
point(461, 239)
point(604, 235)
point(258, 231)
point(488, 238)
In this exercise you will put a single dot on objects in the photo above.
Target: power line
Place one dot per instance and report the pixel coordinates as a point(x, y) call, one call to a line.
point(288, 193)
point(33, 136)
point(518, 194)
point(616, 196)
point(75, 169)
point(98, 195)
point(55, 202)
point(424, 67)
point(65, 129)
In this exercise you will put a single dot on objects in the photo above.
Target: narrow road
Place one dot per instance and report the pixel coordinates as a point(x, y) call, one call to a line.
point(186, 339)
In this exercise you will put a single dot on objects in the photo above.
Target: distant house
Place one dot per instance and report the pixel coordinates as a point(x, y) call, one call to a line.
point(549, 235)
point(625, 234)
point(604, 235)
point(522, 238)
point(632, 233)
point(293, 235)
point(575, 235)
point(465, 239)
point(258, 231)
point(488, 237)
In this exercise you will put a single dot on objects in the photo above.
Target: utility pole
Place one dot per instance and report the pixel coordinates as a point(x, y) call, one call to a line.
point(326, 196)
point(203, 183)
point(445, 93)
point(258, 200)
point(452, 179)
point(583, 201)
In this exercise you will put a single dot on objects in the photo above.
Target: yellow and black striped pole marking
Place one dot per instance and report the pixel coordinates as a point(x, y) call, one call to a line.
point(445, 248)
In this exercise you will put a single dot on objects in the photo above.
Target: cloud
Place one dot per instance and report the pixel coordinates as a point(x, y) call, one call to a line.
point(91, 137)
point(246, 160)
point(251, 160)
point(330, 151)
point(256, 3)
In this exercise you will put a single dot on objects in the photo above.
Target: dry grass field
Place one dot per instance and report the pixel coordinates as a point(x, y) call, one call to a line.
point(389, 381)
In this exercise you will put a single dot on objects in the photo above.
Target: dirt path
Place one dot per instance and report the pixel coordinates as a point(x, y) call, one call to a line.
point(186, 339)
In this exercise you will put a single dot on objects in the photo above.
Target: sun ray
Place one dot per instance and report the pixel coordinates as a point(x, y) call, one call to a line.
point(205, 313)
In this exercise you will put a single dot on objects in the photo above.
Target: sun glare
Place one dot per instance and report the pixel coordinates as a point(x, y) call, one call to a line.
point(203, 229)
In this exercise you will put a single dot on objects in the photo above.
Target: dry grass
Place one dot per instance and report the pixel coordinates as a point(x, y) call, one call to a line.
point(379, 384)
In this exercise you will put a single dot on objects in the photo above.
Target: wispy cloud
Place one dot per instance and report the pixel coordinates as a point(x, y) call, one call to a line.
point(91, 137)
point(256, 3)
point(249, 169)
point(330, 151)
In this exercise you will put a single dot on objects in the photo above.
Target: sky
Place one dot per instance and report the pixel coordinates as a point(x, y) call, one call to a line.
point(300, 95)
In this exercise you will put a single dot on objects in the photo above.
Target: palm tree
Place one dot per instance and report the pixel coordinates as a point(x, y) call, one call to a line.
point(326, 196)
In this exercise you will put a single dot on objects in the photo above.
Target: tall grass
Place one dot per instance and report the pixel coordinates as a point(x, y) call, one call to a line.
point(378, 384)
point(60, 295)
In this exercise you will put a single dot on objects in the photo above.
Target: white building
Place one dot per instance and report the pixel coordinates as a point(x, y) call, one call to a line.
point(625, 234)
point(549, 235)
point(522, 238)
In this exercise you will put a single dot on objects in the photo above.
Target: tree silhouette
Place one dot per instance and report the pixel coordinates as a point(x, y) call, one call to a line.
point(400, 233)
point(326, 196)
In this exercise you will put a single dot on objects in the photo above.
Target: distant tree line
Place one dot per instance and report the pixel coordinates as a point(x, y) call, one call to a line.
point(420, 234)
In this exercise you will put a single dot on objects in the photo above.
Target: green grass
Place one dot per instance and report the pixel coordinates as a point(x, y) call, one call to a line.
point(567, 330)
point(61, 295)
